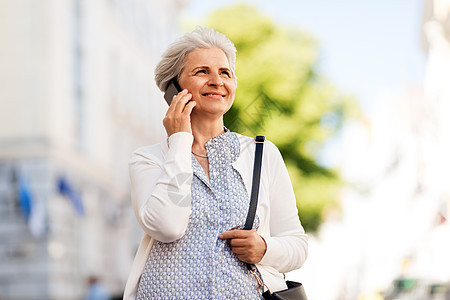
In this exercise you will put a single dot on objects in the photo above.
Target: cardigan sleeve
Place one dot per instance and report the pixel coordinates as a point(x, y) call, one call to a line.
point(161, 187)
point(287, 244)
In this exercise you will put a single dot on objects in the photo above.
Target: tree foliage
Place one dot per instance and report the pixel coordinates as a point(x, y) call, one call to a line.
point(281, 95)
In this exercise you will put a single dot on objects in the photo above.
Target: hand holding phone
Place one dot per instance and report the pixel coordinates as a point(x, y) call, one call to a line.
point(172, 89)
point(178, 116)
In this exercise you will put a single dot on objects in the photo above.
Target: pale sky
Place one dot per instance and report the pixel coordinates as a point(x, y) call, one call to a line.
point(367, 46)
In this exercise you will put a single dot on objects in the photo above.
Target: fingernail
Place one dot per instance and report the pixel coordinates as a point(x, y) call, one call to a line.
point(220, 236)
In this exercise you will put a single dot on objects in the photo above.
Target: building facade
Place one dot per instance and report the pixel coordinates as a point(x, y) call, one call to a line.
point(391, 240)
point(77, 96)
point(436, 45)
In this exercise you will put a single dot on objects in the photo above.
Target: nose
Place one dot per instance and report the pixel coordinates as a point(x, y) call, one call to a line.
point(215, 80)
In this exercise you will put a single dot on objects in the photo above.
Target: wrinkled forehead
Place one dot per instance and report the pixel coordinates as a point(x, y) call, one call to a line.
point(209, 57)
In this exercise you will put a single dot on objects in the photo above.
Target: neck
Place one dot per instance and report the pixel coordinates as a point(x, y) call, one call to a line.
point(204, 131)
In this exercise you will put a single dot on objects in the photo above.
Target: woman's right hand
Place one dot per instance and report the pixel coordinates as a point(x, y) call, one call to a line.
point(178, 116)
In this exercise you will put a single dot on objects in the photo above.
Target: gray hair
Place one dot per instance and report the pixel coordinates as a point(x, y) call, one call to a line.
point(173, 59)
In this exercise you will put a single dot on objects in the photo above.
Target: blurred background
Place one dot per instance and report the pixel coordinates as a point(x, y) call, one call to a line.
point(354, 93)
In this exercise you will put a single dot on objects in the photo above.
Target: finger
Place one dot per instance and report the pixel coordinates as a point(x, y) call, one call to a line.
point(175, 100)
point(241, 243)
point(240, 251)
point(232, 234)
point(181, 100)
point(189, 107)
point(248, 259)
point(246, 247)
point(246, 256)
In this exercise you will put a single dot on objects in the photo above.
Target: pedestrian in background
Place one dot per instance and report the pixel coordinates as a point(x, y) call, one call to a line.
point(96, 290)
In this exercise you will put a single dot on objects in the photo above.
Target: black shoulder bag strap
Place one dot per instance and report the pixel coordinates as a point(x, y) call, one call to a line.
point(295, 290)
point(259, 140)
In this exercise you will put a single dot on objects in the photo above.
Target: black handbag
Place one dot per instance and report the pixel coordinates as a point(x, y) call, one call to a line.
point(295, 290)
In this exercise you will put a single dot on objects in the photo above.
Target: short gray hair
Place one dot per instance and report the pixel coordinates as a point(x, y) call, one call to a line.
point(173, 59)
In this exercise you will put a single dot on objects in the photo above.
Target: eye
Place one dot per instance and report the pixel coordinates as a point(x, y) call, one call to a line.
point(226, 73)
point(200, 72)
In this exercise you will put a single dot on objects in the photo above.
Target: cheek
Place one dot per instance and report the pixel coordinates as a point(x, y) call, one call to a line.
point(232, 91)
point(232, 97)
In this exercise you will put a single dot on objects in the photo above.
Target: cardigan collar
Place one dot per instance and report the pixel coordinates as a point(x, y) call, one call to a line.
point(221, 149)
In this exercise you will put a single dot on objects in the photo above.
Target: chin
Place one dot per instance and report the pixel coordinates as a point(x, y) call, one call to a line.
point(215, 106)
point(212, 111)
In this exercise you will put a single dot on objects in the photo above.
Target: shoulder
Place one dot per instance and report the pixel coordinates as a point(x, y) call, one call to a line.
point(248, 144)
point(153, 152)
point(158, 152)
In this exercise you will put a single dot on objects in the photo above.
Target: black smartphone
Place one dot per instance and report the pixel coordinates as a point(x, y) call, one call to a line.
point(172, 89)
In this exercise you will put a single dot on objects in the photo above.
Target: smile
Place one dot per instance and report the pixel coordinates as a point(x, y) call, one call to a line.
point(213, 95)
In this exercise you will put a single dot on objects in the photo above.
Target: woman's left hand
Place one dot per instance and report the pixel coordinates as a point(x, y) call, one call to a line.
point(247, 245)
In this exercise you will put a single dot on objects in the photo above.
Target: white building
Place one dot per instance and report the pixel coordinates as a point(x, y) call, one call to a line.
point(395, 212)
point(432, 260)
point(77, 96)
point(436, 44)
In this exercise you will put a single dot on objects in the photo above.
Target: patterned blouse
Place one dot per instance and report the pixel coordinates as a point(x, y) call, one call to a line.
point(200, 265)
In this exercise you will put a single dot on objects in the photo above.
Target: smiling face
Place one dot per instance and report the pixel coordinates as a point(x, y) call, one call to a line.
point(207, 76)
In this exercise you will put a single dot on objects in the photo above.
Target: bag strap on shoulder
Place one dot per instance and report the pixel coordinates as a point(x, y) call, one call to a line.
point(259, 140)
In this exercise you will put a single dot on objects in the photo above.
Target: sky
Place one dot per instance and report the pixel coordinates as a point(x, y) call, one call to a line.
point(367, 47)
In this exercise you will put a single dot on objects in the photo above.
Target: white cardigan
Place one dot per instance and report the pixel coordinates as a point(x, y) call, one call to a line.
point(155, 172)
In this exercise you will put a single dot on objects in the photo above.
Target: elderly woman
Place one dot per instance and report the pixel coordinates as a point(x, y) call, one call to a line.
point(190, 192)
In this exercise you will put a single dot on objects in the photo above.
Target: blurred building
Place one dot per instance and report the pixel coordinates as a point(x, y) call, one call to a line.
point(398, 208)
point(77, 96)
point(436, 44)
point(431, 260)
point(393, 237)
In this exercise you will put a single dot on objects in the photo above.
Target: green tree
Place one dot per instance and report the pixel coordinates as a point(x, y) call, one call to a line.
point(281, 95)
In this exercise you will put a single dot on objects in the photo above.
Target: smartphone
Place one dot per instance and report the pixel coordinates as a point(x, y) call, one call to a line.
point(172, 89)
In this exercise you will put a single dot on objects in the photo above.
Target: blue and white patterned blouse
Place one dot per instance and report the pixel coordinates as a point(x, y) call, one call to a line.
point(200, 265)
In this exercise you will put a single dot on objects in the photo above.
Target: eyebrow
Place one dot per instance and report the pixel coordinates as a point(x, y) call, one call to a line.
point(225, 69)
point(207, 67)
